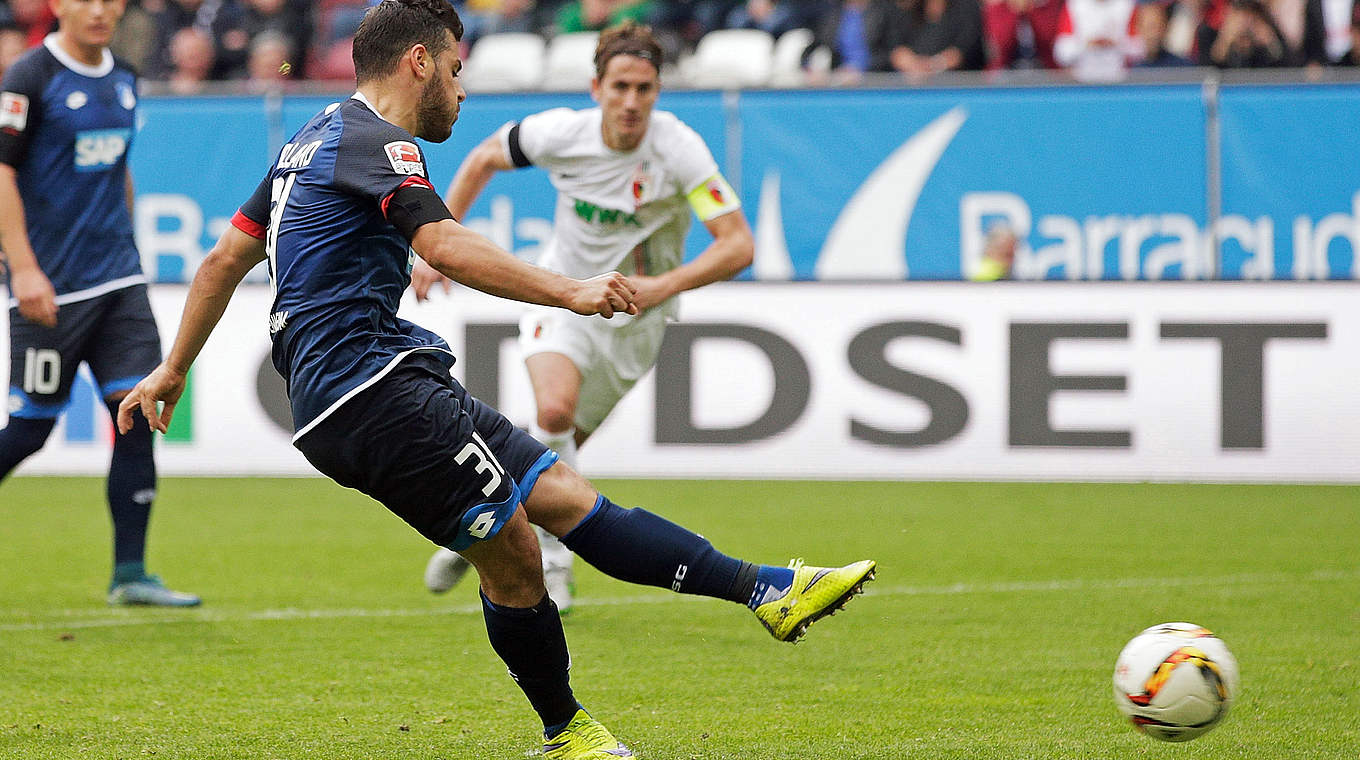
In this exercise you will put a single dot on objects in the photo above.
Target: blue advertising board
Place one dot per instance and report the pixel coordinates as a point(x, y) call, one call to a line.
point(194, 162)
point(1096, 183)
point(1290, 182)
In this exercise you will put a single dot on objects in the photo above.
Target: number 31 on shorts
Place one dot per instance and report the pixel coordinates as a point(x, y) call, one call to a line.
point(485, 463)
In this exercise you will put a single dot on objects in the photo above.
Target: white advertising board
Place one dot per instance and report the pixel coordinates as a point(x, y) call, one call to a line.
point(1030, 381)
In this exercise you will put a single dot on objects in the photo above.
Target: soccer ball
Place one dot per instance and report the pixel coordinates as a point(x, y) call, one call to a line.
point(1175, 681)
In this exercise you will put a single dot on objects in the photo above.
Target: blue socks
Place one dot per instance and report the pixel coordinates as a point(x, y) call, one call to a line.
point(128, 572)
point(20, 439)
point(632, 545)
point(637, 546)
point(532, 645)
point(131, 483)
point(131, 489)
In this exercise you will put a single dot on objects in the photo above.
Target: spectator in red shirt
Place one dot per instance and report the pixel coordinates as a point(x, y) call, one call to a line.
point(1021, 32)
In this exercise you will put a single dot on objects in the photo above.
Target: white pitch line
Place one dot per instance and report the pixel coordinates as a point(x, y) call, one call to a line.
point(82, 619)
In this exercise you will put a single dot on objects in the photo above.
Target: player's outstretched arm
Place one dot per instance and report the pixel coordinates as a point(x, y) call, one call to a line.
point(219, 274)
point(732, 250)
point(27, 283)
point(476, 170)
point(462, 255)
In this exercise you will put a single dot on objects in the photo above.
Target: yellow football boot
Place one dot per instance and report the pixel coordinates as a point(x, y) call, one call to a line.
point(815, 593)
point(584, 738)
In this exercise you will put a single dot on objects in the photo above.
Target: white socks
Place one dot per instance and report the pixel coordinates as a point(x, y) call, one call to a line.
point(563, 443)
point(555, 555)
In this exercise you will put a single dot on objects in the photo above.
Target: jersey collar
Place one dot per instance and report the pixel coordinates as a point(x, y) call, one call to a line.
point(94, 72)
point(359, 96)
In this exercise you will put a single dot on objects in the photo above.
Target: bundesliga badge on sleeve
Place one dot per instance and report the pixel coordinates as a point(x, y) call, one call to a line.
point(13, 112)
point(405, 158)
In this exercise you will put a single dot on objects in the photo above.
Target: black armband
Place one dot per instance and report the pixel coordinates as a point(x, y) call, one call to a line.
point(411, 206)
point(517, 156)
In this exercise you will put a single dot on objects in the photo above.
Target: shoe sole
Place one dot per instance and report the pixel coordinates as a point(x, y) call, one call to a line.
point(830, 609)
point(120, 602)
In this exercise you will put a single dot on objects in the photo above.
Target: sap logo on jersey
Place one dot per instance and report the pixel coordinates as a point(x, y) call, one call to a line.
point(405, 158)
point(98, 149)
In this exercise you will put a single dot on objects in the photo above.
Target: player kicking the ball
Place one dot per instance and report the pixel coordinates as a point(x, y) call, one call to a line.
point(627, 178)
point(372, 398)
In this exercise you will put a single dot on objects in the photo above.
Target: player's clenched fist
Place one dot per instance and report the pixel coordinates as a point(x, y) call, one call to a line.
point(604, 295)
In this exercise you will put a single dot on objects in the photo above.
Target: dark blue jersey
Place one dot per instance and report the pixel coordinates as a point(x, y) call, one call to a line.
point(337, 265)
point(66, 129)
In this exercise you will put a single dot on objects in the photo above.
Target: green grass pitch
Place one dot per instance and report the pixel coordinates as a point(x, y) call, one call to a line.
point(991, 631)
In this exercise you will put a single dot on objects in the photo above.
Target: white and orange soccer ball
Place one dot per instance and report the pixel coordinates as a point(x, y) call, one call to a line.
point(1175, 681)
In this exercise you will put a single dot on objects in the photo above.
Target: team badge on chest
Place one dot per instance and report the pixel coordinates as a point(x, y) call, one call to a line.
point(642, 181)
point(126, 97)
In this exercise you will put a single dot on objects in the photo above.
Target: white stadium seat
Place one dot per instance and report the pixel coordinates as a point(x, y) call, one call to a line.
point(500, 62)
point(787, 64)
point(731, 58)
point(571, 61)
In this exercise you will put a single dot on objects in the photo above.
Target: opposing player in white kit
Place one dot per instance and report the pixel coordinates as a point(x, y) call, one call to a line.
point(627, 178)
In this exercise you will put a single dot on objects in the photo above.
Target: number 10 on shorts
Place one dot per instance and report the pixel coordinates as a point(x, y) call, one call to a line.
point(42, 371)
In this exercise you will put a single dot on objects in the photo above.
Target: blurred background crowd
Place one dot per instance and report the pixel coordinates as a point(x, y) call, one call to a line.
point(189, 43)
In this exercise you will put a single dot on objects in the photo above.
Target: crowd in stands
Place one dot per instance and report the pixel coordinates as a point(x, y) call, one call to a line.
point(186, 43)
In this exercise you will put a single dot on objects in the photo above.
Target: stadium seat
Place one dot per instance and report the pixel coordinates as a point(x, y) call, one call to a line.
point(570, 61)
point(786, 68)
point(731, 58)
point(500, 62)
point(333, 62)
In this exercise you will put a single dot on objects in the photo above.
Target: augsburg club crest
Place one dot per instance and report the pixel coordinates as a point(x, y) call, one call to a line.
point(641, 181)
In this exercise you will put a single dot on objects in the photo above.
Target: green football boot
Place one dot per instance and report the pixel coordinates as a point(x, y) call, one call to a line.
point(815, 593)
point(584, 738)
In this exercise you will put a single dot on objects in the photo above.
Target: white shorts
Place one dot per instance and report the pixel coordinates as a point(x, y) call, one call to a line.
point(611, 358)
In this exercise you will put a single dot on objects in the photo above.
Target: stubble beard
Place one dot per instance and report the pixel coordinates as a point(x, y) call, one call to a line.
point(436, 113)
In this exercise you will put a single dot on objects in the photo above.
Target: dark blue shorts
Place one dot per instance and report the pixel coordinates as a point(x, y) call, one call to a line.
point(452, 467)
point(114, 333)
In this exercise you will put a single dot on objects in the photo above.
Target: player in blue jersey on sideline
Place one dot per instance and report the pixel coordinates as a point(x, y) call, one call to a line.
point(339, 217)
point(67, 116)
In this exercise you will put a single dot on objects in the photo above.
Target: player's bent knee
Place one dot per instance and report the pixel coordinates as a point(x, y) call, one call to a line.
point(561, 499)
point(556, 417)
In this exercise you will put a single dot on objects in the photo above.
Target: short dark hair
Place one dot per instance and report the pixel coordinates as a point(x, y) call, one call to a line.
point(628, 38)
point(391, 27)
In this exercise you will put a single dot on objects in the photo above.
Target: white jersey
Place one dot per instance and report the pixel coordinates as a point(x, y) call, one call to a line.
point(620, 211)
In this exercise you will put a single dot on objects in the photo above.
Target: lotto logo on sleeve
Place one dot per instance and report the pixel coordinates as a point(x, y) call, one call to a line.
point(13, 111)
point(405, 158)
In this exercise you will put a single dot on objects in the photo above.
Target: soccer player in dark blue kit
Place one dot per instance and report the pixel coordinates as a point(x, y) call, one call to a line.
point(339, 217)
point(67, 116)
